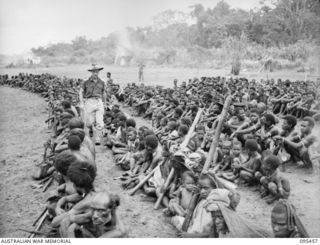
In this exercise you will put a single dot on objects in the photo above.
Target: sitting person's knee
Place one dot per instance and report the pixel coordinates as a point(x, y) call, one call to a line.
point(273, 188)
point(245, 175)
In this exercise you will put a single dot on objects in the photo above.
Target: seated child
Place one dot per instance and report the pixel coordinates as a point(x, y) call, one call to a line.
point(273, 182)
point(123, 159)
point(201, 224)
point(252, 165)
point(225, 163)
point(182, 197)
point(236, 159)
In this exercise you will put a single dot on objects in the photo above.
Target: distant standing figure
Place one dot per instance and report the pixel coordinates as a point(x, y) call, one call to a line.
point(141, 77)
point(109, 79)
point(109, 87)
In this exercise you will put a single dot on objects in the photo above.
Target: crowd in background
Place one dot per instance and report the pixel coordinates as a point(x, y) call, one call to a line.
point(266, 126)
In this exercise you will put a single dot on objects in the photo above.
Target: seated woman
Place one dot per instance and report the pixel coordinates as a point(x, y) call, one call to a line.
point(285, 222)
point(215, 216)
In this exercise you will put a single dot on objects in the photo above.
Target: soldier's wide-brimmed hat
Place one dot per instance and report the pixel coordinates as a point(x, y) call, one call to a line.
point(95, 68)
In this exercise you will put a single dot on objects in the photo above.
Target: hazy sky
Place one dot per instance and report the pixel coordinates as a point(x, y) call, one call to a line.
point(30, 23)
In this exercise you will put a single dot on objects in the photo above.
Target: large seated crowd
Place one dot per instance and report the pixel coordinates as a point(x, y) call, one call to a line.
point(208, 136)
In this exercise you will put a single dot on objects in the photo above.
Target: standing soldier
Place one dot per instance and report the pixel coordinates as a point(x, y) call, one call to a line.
point(94, 96)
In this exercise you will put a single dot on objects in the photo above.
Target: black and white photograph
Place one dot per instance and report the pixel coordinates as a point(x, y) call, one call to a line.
point(159, 119)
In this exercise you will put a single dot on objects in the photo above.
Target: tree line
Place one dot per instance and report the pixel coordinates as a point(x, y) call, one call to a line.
point(287, 30)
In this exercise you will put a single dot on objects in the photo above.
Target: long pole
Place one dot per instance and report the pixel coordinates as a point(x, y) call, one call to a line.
point(182, 145)
point(195, 197)
point(215, 141)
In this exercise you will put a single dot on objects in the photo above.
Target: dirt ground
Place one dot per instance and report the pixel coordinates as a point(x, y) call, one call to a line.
point(23, 133)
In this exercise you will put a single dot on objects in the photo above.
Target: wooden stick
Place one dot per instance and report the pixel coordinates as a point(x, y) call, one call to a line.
point(165, 187)
point(192, 205)
point(47, 184)
point(182, 145)
point(142, 182)
point(36, 221)
point(32, 232)
point(222, 183)
point(38, 227)
point(45, 179)
point(191, 129)
point(215, 141)
point(195, 197)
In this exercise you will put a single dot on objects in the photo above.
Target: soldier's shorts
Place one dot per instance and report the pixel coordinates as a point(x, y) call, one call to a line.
point(94, 111)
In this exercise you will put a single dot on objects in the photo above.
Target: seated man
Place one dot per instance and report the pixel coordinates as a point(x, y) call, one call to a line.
point(76, 126)
point(61, 163)
point(288, 131)
point(120, 135)
point(82, 154)
point(298, 146)
point(144, 162)
point(94, 217)
point(82, 175)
